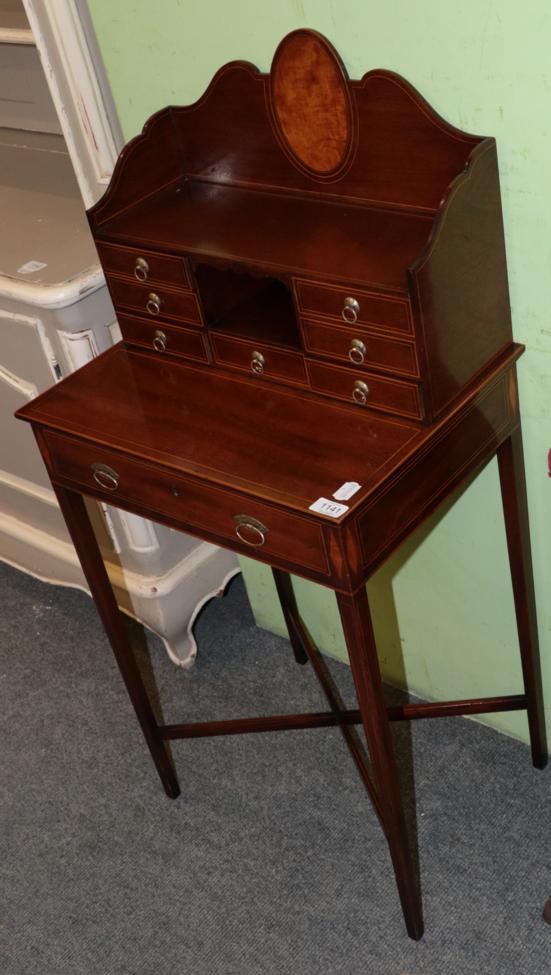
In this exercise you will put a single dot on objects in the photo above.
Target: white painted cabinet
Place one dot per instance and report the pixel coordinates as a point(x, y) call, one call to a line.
point(56, 314)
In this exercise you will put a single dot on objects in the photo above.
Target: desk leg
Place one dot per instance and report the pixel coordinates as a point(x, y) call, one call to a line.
point(81, 531)
point(513, 492)
point(362, 651)
point(284, 586)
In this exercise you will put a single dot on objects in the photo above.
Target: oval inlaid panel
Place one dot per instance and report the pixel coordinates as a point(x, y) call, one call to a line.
point(311, 102)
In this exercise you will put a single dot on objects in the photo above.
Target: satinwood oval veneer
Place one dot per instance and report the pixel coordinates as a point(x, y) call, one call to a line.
point(310, 101)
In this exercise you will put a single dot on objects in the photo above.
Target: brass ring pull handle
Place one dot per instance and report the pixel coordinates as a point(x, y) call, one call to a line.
point(159, 341)
point(153, 304)
point(257, 363)
point(105, 476)
point(357, 351)
point(350, 310)
point(360, 392)
point(250, 531)
point(141, 269)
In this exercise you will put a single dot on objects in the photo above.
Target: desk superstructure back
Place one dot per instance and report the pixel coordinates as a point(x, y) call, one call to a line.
point(332, 235)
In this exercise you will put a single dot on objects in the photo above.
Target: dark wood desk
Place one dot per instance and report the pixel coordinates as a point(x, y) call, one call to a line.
point(284, 340)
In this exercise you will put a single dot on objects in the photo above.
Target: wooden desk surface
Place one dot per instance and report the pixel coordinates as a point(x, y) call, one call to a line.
point(280, 445)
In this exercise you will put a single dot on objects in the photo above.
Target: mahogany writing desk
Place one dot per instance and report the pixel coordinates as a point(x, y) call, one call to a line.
point(310, 279)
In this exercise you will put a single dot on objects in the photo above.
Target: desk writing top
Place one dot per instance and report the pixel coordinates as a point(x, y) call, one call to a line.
point(282, 446)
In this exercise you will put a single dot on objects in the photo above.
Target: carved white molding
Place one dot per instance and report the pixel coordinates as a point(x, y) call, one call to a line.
point(157, 600)
point(79, 347)
point(53, 295)
point(65, 43)
point(25, 388)
point(35, 491)
point(140, 533)
point(29, 321)
point(115, 331)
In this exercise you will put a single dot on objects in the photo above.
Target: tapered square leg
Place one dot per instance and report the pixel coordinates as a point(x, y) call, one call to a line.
point(81, 531)
point(362, 651)
point(288, 603)
point(515, 508)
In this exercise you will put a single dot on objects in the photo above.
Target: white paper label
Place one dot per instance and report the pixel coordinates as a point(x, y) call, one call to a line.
point(31, 266)
point(346, 490)
point(330, 508)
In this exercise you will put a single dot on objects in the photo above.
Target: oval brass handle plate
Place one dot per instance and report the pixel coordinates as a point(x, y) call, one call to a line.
point(105, 476)
point(159, 340)
point(350, 310)
point(153, 304)
point(250, 531)
point(141, 269)
point(257, 363)
point(357, 351)
point(360, 392)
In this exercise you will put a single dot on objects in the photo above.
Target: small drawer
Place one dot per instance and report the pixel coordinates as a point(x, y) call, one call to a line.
point(365, 389)
point(360, 347)
point(159, 302)
point(259, 360)
point(351, 305)
point(249, 526)
point(186, 342)
point(144, 266)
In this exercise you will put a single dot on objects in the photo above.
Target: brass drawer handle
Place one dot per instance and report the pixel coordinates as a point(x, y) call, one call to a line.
point(357, 351)
point(257, 363)
point(141, 269)
point(105, 476)
point(159, 341)
point(360, 392)
point(250, 531)
point(350, 310)
point(153, 304)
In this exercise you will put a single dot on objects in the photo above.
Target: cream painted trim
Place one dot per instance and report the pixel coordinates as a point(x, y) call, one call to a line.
point(21, 484)
point(145, 587)
point(141, 588)
point(202, 602)
point(28, 390)
point(14, 35)
point(139, 532)
point(63, 37)
point(114, 330)
point(79, 347)
point(38, 325)
point(53, 295)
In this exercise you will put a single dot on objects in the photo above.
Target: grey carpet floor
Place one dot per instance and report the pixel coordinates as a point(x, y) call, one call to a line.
point(271, 861)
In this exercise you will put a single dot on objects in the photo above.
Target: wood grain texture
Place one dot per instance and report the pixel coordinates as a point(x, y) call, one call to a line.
point(268, 212)
point(336, 342)
point(466, 321)
point(340, 189)
point(310, 102)
point(362, 653)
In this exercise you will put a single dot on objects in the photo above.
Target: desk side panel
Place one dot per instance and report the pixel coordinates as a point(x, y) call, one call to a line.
point(459, 285)
point(460, 448)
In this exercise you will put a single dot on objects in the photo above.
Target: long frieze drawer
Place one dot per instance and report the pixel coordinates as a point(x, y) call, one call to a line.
point(259, 360)
point(155, 302)
point(351, 305)
point(245, 524)
point(361, 347)
point(145, 266)
point(365, 389)
point(188, 342)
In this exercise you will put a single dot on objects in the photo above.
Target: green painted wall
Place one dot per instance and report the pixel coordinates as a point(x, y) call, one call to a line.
point(443, 605)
